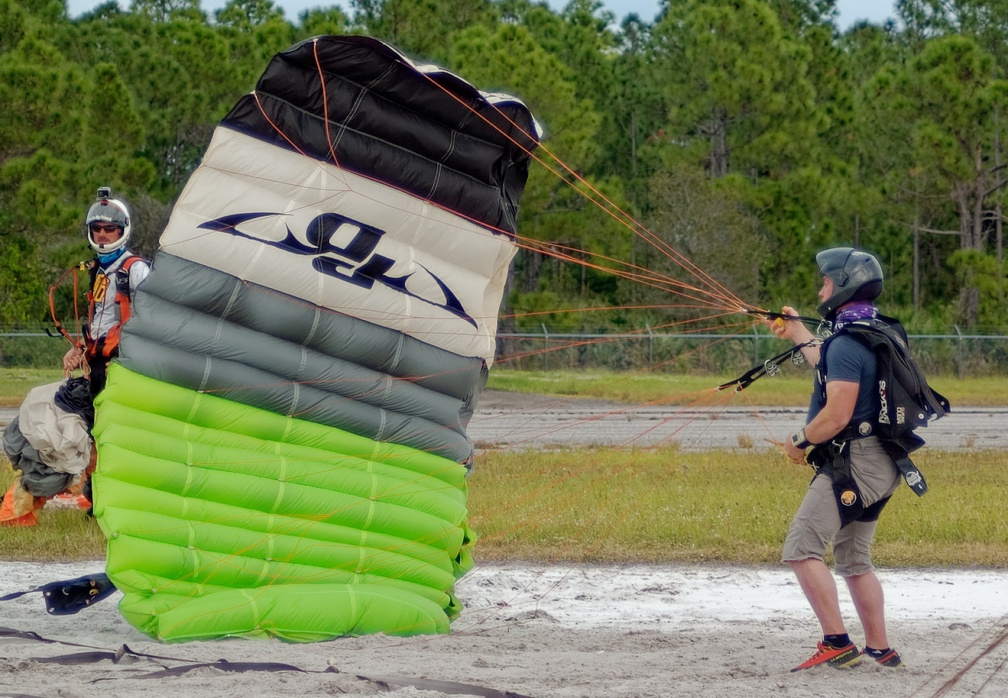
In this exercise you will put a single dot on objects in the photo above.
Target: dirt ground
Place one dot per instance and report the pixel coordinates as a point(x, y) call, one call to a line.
point(571, 631)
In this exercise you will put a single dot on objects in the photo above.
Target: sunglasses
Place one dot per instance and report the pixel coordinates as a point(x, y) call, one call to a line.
point(105, 228)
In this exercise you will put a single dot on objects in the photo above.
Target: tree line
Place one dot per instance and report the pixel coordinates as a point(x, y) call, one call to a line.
point(747, 134)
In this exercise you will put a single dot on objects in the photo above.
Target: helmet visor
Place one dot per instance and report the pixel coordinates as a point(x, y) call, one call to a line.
point(108, 228)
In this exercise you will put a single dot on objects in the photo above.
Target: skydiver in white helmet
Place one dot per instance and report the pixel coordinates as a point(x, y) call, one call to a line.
point(115, 273)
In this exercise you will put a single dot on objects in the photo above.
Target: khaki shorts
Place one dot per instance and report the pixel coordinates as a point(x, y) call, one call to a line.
point(817, 523)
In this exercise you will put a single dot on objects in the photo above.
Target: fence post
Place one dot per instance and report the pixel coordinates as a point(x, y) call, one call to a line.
point(755, 346)
point(959, 351)
point(545, 344)
point(650, 351)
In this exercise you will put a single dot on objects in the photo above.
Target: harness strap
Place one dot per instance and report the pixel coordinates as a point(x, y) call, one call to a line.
point(912, 475)
point(822, 457)
point(832, 459)
point(108, 345)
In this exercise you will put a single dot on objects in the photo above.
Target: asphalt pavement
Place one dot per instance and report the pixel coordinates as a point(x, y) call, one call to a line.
point(512, 420)
point(516, 421)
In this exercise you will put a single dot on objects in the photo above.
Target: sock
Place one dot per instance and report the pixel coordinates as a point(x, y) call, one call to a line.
point(874, 653)
point(837, 641)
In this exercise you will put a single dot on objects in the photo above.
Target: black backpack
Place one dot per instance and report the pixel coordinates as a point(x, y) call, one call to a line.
point(907, 402)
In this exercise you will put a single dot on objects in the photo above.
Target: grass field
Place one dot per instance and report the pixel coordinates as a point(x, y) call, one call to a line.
point(610, 505)
point(791, 387)
point(659, 506)
point(16, 382)
point(605, 505)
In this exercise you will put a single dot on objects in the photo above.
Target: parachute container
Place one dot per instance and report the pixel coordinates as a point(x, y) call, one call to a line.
point(282, 445)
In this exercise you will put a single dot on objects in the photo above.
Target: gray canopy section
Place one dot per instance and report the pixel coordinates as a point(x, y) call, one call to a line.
point(209, 331)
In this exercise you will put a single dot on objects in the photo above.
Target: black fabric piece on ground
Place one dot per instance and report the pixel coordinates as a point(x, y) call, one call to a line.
point(74, 396)
point(449, 687)
point(71, 596)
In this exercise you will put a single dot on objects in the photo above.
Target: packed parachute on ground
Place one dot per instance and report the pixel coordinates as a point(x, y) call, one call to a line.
point(282, 448)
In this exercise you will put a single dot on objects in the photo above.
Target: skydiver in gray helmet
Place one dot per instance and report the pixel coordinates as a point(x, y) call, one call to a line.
point(115, 273)
point(855, 473)
point(856, 276)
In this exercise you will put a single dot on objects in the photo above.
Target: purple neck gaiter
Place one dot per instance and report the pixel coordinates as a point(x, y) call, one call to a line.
point(854, 311)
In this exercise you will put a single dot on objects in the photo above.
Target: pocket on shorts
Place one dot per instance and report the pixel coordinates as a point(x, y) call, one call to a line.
point(873, 469)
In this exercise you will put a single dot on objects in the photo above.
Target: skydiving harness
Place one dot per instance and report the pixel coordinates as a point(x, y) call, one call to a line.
point(906, 402)
point(833, 459)
point(771, 367)
point(98, 283)
point(108, 345)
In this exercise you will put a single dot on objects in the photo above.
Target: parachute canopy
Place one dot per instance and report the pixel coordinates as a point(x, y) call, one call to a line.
point(282, 448)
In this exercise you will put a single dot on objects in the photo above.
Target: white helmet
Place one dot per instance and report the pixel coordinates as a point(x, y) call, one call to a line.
point(105, 209)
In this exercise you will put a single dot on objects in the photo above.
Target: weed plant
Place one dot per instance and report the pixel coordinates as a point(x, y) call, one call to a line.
point(62, 535)
point(610, 505)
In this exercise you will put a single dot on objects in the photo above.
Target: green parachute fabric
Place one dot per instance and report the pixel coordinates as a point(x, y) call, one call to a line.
point(282, 445)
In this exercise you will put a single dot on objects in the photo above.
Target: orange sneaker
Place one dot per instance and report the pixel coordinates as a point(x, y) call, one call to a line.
point(836, 657)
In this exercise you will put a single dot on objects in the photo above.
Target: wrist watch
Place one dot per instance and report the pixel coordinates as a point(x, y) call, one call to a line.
point(798, 439)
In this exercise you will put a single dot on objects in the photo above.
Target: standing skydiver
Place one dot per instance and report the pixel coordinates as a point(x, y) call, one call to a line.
point(49, 443)
point(115, 275)
point(855, 473)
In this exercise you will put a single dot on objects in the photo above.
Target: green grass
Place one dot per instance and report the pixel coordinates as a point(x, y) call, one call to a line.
point(658, 506)
point(608, 505)
point(62, 535)
point(791, 387)
point(16, 382)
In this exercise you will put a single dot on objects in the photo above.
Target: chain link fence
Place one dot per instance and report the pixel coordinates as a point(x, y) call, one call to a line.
point(32, 350)
point(956, 354)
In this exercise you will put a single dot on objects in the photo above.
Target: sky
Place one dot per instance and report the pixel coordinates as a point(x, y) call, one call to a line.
point(851, 11)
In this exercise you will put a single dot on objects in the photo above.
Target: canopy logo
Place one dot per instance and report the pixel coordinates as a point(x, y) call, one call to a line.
point(345, 249)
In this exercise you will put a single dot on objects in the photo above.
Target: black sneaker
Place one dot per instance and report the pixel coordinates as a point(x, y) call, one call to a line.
point(889, 658)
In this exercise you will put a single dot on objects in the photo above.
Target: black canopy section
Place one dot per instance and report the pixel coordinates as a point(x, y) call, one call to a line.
point(418, 128)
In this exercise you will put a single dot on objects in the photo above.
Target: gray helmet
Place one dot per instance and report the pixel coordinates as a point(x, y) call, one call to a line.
point(857, 276)
point(105, 209)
